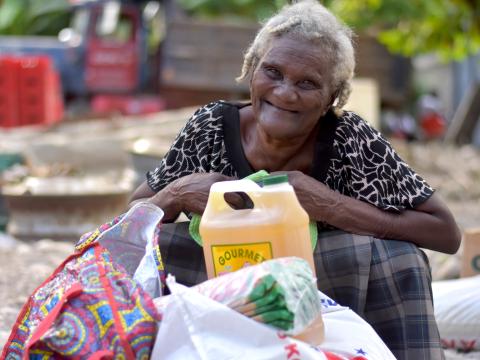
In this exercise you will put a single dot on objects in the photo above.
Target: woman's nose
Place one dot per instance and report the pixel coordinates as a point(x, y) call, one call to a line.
point(286, 92)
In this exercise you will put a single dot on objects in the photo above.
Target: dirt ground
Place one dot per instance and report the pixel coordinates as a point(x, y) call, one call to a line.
point(455, 173)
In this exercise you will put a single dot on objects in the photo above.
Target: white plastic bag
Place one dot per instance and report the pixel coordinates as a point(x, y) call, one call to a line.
point(132, 242)
point(348, 334)
point(457, 311)
point(196, 327)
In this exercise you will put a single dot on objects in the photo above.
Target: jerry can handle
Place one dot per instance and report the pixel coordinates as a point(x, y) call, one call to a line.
point(219, 189)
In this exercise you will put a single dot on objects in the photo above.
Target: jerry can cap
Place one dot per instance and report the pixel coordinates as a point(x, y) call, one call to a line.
point(275, 179)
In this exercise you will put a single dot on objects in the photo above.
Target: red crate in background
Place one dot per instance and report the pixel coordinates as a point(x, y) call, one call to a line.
point(32, 95)
point(9, 114)
point(35, 87)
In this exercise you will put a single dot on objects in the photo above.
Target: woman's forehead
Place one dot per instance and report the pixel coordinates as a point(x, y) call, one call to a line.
point(289, 48)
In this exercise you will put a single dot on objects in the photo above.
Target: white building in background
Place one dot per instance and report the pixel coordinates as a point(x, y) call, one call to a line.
point(450, 81)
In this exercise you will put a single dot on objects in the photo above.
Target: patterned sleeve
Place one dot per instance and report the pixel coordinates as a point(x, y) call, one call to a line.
point(192, 151)
point(370, 169)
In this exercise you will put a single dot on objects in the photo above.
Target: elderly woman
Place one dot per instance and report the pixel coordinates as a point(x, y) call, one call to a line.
point(373, 210)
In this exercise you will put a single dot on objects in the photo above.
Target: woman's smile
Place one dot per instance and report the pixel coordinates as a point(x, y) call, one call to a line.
point(280, 108)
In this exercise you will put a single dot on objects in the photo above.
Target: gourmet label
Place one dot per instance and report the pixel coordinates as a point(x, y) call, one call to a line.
point(232, 257)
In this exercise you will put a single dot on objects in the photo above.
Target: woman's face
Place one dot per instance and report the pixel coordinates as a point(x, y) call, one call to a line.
point(291, 88)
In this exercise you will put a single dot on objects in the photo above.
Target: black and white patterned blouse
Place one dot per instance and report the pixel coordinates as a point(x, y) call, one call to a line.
point(350, 157)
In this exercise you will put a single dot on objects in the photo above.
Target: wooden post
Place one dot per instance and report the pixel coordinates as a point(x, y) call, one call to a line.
point(471, 253)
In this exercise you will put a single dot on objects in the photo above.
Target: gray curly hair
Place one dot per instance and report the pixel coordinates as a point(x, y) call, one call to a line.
point(310, 20)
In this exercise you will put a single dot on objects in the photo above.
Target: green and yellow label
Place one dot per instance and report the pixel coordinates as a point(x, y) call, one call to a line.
point(229, 258)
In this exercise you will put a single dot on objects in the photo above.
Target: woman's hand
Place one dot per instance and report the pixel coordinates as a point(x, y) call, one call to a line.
point(430, 225)
point(191, 191)
point(188, 193)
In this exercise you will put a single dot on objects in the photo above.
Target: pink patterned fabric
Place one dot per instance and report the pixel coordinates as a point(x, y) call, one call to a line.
point(89, 308)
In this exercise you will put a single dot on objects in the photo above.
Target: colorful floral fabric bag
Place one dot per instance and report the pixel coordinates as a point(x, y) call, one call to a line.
point(91, 307)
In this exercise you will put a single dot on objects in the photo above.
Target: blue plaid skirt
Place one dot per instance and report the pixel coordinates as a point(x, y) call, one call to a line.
point(386, 282)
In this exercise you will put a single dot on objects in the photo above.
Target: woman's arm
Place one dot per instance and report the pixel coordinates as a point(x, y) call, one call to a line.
point(430, 225)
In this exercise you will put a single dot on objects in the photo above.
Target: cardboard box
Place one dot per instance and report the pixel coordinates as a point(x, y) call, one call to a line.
point(471, 253)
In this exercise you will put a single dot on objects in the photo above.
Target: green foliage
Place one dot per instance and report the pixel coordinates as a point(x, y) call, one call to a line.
point(33, 17)
point(451, 28)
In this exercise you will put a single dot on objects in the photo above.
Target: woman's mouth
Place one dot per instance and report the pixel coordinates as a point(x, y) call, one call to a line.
point(280, 107)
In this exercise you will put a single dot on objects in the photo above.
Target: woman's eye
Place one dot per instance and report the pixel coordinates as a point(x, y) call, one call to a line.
point(308, 85)
point(273, 73)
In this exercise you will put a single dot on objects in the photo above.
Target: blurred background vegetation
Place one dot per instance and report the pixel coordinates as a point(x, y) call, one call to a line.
point(449, 28)
point(33, 17)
